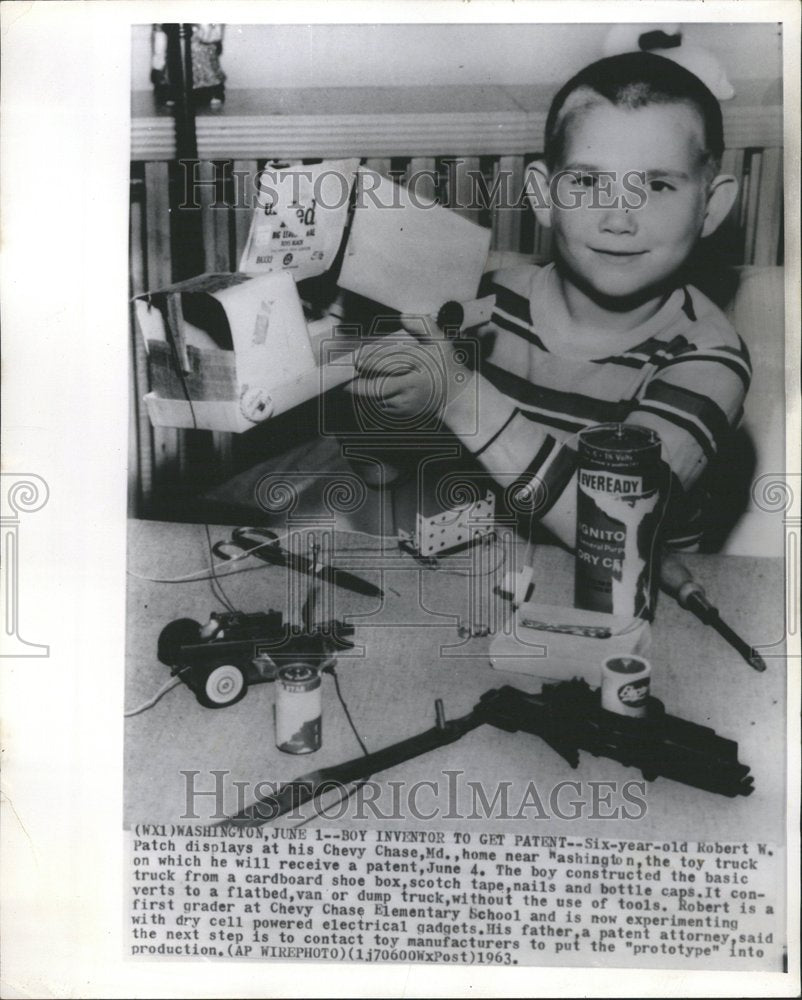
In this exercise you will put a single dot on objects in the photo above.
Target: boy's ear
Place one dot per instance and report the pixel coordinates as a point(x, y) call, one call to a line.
point(720, 199)
point(536, 187)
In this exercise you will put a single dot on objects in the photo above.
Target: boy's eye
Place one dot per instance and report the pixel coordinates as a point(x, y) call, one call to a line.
point(659, 186)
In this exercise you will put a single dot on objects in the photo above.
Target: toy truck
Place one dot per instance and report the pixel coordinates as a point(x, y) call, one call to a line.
point(218, 661)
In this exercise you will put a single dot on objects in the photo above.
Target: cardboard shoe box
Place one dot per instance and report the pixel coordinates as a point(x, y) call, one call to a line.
point(226, 351)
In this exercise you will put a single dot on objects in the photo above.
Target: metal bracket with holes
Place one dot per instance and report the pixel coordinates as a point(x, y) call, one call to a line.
point(455, 528)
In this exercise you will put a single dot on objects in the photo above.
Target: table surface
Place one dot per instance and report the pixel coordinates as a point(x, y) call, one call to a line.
point(409, 653)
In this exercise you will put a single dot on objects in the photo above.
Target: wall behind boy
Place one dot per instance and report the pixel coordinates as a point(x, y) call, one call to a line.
point(414, 54)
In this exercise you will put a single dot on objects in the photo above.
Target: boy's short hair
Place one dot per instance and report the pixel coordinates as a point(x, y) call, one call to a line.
point(634, 80)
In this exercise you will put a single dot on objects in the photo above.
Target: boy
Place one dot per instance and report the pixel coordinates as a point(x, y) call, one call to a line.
point(608, 332)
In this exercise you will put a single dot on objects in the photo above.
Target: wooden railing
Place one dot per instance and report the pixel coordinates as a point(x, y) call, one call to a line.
point(451, 133)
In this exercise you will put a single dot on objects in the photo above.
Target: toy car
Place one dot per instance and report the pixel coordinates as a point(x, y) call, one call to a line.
point(218, 661)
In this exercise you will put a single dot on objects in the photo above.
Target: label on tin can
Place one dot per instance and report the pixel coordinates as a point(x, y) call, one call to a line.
point(619, 511)
point(298, 709)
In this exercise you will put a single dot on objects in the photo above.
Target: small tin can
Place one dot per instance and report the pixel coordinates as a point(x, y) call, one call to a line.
point(625, 685)
point(298, 709)
point(619, 510)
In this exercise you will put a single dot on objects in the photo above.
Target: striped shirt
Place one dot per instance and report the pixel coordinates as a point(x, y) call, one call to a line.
point(684, 372)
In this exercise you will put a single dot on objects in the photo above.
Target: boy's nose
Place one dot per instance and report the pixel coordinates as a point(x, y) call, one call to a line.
point(618, 221)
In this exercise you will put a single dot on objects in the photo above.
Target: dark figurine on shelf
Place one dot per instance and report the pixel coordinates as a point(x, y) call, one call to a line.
point(208, 78)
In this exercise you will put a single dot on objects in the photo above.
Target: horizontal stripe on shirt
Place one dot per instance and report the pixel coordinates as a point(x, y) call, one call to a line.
point(507, 323)
point(692, 405)
point(699, 434)
point(647, 351)
point(511, 302)
point(566, 404)
point(735, 362)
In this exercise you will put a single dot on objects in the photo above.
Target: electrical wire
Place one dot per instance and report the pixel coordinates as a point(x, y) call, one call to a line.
point(367, 534)
point(345, 793)
point(210, 572)
point(173, 682)
point(345, 708)
point(200, 575)
point(215, 585)
point(467, 572)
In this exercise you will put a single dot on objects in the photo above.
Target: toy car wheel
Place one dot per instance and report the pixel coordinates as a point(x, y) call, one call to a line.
point(174, 636)
point(222, 686)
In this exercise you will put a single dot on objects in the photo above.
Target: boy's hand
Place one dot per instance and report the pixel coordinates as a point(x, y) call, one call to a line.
point(410, 376)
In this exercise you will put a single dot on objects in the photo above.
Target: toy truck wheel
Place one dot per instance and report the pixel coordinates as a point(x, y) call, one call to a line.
point(174, 636)
point(223, 685)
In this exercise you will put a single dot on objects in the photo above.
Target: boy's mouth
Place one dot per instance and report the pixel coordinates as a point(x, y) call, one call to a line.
point(619, 254)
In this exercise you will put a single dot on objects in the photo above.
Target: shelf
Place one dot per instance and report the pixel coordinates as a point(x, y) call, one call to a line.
point(308, 123)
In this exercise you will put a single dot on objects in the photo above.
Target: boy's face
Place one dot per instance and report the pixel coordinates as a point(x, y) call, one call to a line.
point(620, 252)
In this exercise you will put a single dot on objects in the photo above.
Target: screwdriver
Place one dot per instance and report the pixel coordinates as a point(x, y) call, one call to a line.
point(676, 580)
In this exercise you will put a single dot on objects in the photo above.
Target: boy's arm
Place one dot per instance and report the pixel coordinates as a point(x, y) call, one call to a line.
point(692, 402)
point(521, 454)
point(536, 470)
